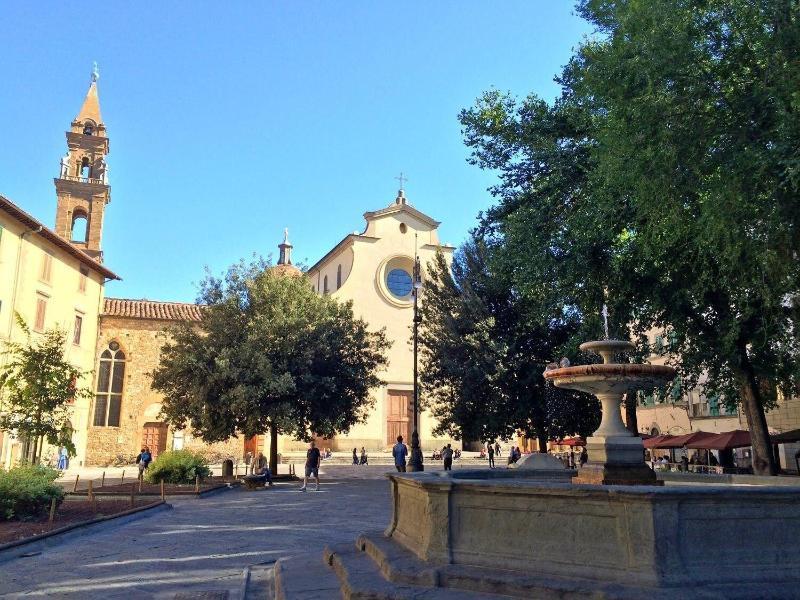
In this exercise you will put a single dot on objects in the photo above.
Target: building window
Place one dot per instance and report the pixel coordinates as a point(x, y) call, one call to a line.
point(338, 277)
point(47, 267)
point(84, 169)
point(76, 333)
point(88, 129)
point(110, 375)
point(84, 274)
point(399, 283)
point(325, 285)
point(41, 313)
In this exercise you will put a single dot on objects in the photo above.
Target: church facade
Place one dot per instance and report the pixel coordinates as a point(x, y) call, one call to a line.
point(56, 278)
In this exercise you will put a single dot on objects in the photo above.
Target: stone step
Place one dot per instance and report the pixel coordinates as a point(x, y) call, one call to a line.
point(400, 565)
point(361, 579)
point(305, 578)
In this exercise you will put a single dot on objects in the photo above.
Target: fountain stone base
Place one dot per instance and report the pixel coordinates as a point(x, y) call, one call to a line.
point(616, 460)
point(528, 538)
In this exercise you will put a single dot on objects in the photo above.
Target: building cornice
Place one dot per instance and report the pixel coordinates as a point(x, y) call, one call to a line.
point(34, 224)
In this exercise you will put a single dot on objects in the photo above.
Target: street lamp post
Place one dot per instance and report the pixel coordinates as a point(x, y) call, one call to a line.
point(415, 463)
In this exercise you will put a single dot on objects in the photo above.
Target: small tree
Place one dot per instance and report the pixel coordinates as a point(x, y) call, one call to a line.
point(36, 385)
point(269, 355)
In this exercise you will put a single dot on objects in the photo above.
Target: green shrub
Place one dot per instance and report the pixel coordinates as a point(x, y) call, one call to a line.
point(26, 492)
point(178, 466)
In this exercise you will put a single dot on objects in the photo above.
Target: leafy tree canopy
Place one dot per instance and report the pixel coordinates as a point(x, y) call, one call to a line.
point(665, 180)
point(483, 358)
point(269, 354)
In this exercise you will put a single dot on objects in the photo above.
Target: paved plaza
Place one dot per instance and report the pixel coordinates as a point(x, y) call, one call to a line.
point(201, 547)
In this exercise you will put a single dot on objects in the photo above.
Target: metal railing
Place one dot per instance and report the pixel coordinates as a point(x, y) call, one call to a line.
point(81, 179)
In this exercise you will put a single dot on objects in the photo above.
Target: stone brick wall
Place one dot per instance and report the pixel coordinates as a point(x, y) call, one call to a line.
point(141, 340)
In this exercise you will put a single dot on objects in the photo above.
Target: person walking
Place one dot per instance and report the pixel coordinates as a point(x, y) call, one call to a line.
point(447, 456)
point(143, 460)
point(584, 457)
point(399, 452)
point(313, 458)
point(363, 456)
point(355, 457)
point(490, 451)
point(497, 449)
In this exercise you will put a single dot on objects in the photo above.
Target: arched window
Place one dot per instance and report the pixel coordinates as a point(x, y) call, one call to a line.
point(88, 129)
point(339, 277)
point(79, 224)
point(84, 169)
point(110, 376)
point(325, 285)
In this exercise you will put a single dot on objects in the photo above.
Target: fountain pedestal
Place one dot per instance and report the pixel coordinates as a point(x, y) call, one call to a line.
point(616, 456)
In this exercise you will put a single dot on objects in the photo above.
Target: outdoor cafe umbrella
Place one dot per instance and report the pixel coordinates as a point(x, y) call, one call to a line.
point(679, 441)
point(787, 437)
point(737, 438)
point(576, 441)
point(656, 441)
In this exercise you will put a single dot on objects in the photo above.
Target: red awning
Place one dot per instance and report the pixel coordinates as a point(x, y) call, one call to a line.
point(654, 442)
point(787, 437)
point(737, 438)
point(679, 441)
point(576, 441)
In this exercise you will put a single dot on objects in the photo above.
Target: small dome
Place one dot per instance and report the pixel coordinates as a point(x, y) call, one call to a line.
point(286, 271)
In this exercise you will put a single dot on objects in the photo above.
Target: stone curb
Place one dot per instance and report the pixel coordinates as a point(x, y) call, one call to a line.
point(11, 550)
point(180, 494)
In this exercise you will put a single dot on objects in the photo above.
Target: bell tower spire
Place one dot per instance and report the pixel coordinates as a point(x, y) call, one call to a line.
point(82, 184)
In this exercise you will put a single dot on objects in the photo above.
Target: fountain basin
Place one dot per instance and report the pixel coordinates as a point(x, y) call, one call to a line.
point(614, 378)
point(623, 541)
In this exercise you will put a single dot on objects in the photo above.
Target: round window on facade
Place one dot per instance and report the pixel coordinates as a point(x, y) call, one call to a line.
point(399, 283)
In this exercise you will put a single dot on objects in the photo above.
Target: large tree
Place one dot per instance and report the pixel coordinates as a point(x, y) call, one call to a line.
point(269, 355)
point(665, 180)
point(37, 386)
point(483, 357)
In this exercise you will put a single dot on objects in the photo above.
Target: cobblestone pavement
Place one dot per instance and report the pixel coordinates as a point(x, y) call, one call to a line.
point(202, 546)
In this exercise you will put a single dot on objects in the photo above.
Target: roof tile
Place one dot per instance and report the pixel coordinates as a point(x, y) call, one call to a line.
point(151, 309)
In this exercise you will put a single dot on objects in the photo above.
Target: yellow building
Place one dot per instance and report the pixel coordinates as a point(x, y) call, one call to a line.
point(374, 270)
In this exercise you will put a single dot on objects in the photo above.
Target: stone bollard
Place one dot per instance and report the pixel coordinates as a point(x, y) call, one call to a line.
point(162, 491)
point(52, 511)
point(133, 495)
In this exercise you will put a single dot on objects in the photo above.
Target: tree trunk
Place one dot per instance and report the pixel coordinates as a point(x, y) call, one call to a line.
point(273, 448)
point(542, 437)
point(762, 458)
point(631, 422)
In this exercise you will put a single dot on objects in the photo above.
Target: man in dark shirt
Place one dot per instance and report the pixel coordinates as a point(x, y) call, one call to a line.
point(491, 455)
point(313, 458)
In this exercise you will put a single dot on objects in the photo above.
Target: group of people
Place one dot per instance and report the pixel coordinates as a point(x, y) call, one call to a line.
point(360, 461)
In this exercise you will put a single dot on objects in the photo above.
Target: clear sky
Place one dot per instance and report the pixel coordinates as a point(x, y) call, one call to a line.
point(229, 121)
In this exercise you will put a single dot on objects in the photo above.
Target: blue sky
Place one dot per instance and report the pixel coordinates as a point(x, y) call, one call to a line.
point(230, 121)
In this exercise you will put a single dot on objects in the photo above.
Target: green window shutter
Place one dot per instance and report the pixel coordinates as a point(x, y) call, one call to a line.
point(676, 392)
point(713, 405)
point(659, 344)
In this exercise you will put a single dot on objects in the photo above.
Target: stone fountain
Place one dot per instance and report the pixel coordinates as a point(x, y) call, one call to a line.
point(616, 456)
point(530, 533)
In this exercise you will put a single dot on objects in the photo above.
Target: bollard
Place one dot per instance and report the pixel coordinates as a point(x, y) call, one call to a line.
point(133, 495)
point(90, 494)
point(75, 489)
point(122, 481)
point(162, 490)
point(103, 480)
point(197, 484)
point(140, 484)
point(52, 510)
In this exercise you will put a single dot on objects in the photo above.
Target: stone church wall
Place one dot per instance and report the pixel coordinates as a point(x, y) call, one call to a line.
point(141, 340)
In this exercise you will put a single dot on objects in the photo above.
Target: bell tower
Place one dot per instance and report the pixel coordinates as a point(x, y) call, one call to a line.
point(82, 184)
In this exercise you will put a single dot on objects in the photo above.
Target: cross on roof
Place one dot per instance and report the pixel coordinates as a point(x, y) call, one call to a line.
point(401, 179)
